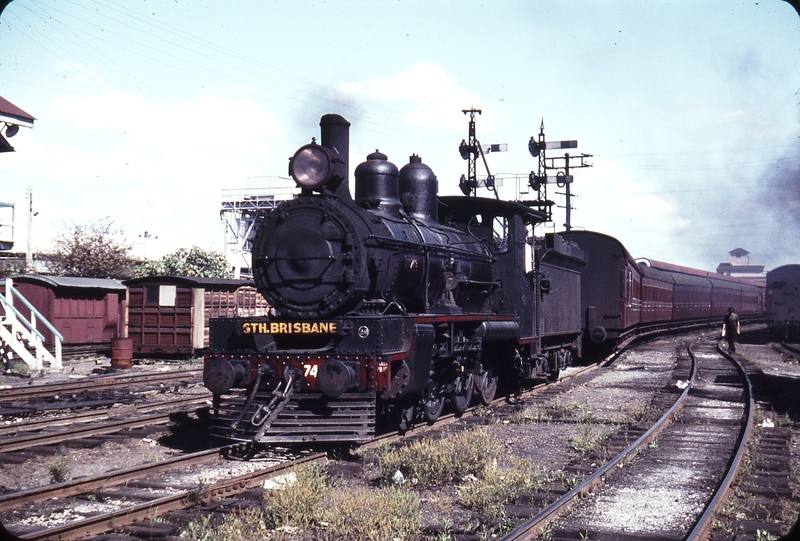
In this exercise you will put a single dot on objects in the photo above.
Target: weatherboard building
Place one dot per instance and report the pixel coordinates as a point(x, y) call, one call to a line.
point(740, 267)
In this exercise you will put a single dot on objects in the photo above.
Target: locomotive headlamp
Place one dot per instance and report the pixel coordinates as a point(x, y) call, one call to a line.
point(314, 166)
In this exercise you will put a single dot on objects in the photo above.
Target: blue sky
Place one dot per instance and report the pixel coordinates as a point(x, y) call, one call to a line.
point(146, 110)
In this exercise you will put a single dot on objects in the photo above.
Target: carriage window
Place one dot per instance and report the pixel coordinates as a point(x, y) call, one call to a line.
point(529, 240)
point(500, 233)
point(151, 295)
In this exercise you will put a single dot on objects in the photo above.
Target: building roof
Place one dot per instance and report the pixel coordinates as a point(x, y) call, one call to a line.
point(11, 113)
point(192, 281)
point(727, 268)
point(70, 282)
point(718, 275)
point(738, 252)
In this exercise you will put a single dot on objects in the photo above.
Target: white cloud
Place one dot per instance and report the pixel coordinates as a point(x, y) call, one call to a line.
point(432, 91)
point(149, 166)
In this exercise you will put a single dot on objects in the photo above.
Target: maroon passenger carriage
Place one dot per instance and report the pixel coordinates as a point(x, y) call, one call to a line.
point(622, 298)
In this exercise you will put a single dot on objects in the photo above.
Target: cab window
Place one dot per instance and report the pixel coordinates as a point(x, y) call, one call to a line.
point(500, 234)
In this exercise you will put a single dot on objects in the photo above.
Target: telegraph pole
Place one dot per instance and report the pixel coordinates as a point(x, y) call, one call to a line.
point(29, 250)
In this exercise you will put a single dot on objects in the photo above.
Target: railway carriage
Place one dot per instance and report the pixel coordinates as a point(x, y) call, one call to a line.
point(611, 287)
point(692, 296)
point(622, 298)
point(782, 310)
point(658, 295)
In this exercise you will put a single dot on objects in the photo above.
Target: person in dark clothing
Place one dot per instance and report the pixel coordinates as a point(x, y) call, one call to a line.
point(730, 329)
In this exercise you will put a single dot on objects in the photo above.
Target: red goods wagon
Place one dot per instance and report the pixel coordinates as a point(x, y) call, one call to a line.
point(169, 315)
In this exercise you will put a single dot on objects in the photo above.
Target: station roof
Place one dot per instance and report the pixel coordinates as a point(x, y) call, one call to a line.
point(14, 115)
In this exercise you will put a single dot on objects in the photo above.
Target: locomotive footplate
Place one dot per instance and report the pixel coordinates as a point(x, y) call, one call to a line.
point(305, 419)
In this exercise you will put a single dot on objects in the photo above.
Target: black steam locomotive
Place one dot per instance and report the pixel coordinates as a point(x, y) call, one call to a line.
point(390, 306)
point(399, 303)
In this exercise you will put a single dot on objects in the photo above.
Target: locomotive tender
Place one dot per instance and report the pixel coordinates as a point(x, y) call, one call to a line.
point(397, 303)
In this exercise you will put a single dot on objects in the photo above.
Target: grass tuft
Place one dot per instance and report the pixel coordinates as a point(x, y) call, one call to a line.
point(498, 486)
point(60, 469)
point(591, 440)
point(297, 503)
point(429, 462)
point(352, 514)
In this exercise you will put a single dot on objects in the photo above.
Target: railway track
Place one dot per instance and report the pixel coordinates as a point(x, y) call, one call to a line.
point(19, 437)
point(96, 383)
point(177, 498)
point(704, 431)
point(712, 384)
point(110, 485)
point(789, 349)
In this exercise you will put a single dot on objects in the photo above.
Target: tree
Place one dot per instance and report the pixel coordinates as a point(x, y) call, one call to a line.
point(94, 250)
point(187, 262)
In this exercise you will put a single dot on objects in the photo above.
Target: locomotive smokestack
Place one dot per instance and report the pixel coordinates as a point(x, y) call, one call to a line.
point(335, 134)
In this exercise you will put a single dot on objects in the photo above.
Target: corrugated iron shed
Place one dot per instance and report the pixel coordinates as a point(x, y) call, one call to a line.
point(71, 281)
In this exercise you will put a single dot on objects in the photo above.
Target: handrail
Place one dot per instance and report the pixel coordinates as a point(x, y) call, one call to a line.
point(23, 320)
point(35, 312)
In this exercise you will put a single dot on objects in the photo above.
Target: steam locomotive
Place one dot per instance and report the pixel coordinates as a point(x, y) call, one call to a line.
point(398, 303)
point(392, 305)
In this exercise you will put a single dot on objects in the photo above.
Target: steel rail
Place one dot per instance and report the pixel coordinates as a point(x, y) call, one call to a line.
point(93, 384)
point(703, 527)
point(533, 527)
point(105, 480)
point(118, 519)
point(24, 442)
point(29, 424)
point(794, 348)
